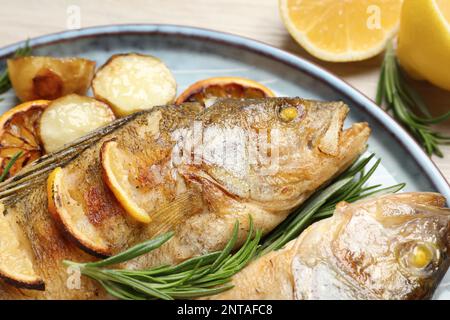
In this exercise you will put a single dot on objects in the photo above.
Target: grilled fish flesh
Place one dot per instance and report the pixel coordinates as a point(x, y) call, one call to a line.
point(389, 247)
point(176, 165)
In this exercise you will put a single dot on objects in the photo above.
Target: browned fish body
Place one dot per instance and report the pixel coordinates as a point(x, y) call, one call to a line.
point(390, 247)
point(178, 172)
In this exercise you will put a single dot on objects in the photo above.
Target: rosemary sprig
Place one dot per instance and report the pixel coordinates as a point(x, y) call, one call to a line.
point(403, 100)
point(349, 187)
point(200, 276)
point(211, 273)
point(9, 165)
point(5, 83)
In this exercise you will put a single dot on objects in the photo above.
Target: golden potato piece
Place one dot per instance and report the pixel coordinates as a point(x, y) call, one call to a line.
point(71, 117)
point(49, 78)
point(16, 256)
point(133, 82)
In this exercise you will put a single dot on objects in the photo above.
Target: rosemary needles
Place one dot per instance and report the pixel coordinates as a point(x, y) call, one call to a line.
point(200, 276)
point(403, 101)
point(9, 165)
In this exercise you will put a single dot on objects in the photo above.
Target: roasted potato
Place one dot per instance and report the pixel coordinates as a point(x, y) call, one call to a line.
point(133, 82)
point(71, 117)
point(49, 78)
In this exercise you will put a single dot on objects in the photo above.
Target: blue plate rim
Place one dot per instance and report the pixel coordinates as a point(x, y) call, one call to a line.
point(423, 161)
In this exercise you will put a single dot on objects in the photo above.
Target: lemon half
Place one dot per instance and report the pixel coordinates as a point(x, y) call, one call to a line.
point(347, 30)
point(424, 40)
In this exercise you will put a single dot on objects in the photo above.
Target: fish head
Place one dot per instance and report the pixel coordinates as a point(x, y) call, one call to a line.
point(394, 246)
point(281, 149)
point(286, 124)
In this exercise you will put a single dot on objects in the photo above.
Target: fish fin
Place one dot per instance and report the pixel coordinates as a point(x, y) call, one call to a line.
point(167, 217)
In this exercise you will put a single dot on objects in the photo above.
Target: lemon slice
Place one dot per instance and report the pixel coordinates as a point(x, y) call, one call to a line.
point(224, 87)
point(69, 214)
point(16, 262)
point(115, 175)
point(347, 30)
point(19, 133)
point(424, 41)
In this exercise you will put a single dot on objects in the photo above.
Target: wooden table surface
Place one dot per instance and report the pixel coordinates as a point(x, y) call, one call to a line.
point(257, 19)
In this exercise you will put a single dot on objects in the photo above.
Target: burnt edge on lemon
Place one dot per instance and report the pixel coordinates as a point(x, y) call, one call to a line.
point(201, 86)
point(26, 139)
point(36, 284)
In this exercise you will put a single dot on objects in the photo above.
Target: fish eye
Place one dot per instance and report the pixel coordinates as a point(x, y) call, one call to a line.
point(419, 257)
point(287, 114)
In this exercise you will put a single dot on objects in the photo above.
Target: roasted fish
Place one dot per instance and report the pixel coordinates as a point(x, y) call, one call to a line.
point(278, 151)
point(389, 247)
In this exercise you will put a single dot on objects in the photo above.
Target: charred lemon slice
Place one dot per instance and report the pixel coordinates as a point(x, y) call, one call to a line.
point(224, 87)
point(70, 215)
point(19, 133)
point(16, 257)
point(115, 175)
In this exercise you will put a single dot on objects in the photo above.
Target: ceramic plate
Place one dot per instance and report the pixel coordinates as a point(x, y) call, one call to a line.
point(193, 54)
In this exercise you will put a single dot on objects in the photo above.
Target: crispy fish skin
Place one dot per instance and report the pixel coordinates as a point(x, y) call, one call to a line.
point(312, 148)
point(366, 250)
point(219, 194)
point(227, 195)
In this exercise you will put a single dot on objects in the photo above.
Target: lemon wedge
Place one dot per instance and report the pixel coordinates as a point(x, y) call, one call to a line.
point(424, 40)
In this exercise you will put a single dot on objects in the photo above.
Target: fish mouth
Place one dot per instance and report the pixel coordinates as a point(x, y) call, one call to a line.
point(358, 133)
point(398, 209)
point(335, 138)
point(431, 199)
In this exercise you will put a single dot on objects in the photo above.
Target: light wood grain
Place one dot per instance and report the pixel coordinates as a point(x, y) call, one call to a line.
point(257, 19)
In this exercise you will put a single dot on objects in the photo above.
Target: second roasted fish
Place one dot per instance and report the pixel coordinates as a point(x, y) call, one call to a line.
point(389, 247)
